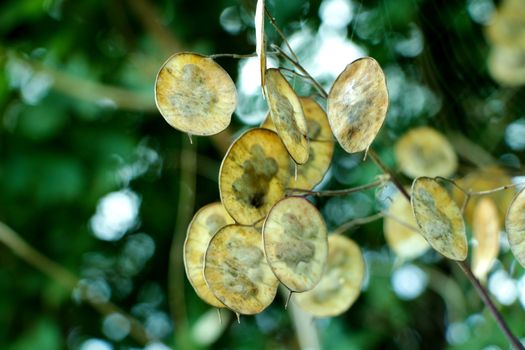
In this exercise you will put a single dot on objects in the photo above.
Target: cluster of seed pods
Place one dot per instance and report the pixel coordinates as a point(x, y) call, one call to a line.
point(237, 251)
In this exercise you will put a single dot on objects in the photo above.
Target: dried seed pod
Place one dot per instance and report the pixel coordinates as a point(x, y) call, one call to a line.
point(507, 25)
point(321, 145)
point(341, 282)
point(439, 218)
point(406, 242)
point(237, 272)
point(295, 243)
point(194, 94)
point(483, 180)
point(205, 223)
point(486, 228)
point(357, 104)
point(260, 42)
point(515, 226)
point(424, 151)
point(505, 65)
point(287, 115)
point(253, 176)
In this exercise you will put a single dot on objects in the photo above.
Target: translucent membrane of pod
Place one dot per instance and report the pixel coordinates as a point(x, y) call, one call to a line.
point(260, 43)
point(237, 272)
point(205, 223)
point(287, 115)
point(439, 218)
point(341, 282)
point(424, 151)
point(253, 175)
point(357, 104)
point(194, 94)
point(515, 226)
point(295, 243)
point(486, 227)
point(483, 180)
point(321, 143)
point(401, 231)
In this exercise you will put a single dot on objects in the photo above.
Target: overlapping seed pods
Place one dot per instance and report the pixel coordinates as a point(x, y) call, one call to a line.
point(253, 175)
point(321, 144)
point(295, 243)
point(341, 282)
point(237, 272)
point(401, 231)
point(287, 115)
point(206, 222)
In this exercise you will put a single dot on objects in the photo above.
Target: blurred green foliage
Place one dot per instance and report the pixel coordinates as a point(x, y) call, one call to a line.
point(78, 122)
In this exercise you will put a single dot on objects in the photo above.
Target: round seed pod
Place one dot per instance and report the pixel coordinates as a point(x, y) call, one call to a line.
point(505, 65)
point(295, 243)
point(357, 104)
point(287, 115)
point(205, 223)
point(321, 145)
point(507, 25)
point(194, 94)
point(424, 151)
point(237, 272)
point(407, 243)
point(515, 226)
point(253, 175)
point(439, 218)
point(486, 227)
point(341, 282)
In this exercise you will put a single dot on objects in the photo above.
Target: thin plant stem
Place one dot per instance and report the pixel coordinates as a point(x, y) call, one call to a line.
point(483, 294)
point(333, 193)
point(280, 32)
point(357, 222)
point(295, 63)
point(295, 73)
point(399, 221)
point(233, 55)
point(388, 172)
point(61, 275)
point(494, 190)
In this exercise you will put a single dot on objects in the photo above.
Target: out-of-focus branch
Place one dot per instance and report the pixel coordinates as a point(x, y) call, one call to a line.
point(64, 277)
point(150, 19)
point(185, 205)
point(86, 90)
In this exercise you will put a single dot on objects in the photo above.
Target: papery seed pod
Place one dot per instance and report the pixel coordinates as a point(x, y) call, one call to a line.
point(237, 272)
point(439, 218)
point(295, 243)
point(341, 282)
point(205, 223)
point(424, 151)
point(357, 104)
point(253, 176)
point(287, 115)
point(194, 94)
point(321, 144)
